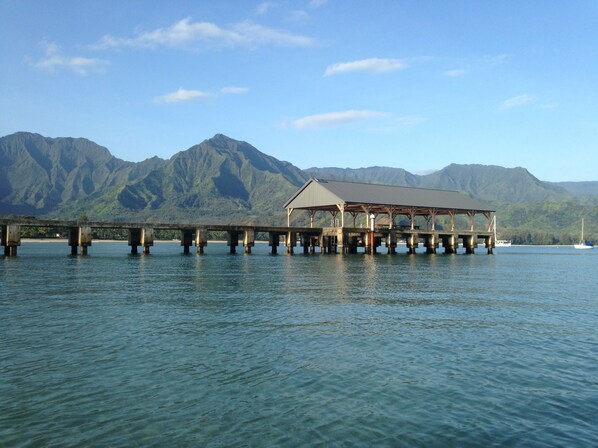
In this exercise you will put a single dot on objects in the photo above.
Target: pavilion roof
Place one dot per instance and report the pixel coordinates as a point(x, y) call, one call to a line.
point(320, 194)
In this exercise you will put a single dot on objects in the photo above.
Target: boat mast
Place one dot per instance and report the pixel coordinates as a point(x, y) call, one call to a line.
point(495, 228)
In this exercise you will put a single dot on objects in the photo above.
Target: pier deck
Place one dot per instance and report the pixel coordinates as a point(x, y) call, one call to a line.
point(344, 240)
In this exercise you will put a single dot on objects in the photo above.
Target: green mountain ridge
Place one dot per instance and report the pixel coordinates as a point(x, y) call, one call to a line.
point(226, 180)
point(486, 182)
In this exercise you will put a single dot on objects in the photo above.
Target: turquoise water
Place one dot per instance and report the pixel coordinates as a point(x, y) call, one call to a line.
point(260, 350)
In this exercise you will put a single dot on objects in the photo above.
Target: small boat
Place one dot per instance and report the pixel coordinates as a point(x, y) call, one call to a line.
point(497, 242)
point(583, 244)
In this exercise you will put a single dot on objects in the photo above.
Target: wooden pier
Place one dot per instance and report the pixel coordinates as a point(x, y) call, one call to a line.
point(336, 198)
point(310, 240)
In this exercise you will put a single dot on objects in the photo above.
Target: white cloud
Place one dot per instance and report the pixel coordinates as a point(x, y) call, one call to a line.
point(234, 90)
point(455, 72)
point(372, 65)
point(185, 33)
point(335, 118)
point(516, 101)
point(54, 59)
point(183, 95)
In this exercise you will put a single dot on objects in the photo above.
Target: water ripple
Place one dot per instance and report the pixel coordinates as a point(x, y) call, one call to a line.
point(220, 350)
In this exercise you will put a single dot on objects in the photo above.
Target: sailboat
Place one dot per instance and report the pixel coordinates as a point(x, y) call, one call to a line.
point(497, 242)
point(583, 244)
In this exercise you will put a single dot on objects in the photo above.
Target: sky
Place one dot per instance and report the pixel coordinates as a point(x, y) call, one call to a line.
point(406, 84)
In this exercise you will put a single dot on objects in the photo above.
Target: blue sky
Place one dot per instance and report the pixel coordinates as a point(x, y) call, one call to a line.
point(410, 84)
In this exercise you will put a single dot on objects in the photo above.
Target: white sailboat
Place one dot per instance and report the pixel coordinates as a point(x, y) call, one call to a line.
point(583, 244)
point(497, 242)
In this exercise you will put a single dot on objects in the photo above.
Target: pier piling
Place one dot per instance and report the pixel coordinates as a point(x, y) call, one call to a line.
point(201, 240)
point(11, 239)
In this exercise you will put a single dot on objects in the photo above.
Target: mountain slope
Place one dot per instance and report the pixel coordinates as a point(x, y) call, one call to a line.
point(39, 174)
point(219, 177)
point(494, 183)
point(579, 188)
point(374, 174)
point(487, 182)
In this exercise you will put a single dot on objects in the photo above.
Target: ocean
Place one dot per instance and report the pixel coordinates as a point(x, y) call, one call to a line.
point(266, 350)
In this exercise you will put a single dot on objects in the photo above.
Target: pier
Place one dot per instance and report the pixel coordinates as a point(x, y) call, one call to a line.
point(376, 207)
point(306, 240)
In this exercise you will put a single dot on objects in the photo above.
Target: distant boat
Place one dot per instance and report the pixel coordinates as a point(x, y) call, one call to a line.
point(497, 242)
point(583, 244)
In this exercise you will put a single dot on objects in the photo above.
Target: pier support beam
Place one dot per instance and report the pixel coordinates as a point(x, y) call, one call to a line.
point(431, 243)
point(201, 240)
point(79, 237)
point(340, 241)
point(370, 247)
point(489, 243)
point(291, 242)
point(147, 239)
point(351, 243)
point(248, 240)
point(391, 242)
point(141, 237)
point(11, 239)
point(186, 239)
point(305, 240)
point(274, 241)
point(412, 241)
point(232, 241)
point(449, 242)
point(372, 242)
point(134, 240)
point(314, 241)
point(469, 243)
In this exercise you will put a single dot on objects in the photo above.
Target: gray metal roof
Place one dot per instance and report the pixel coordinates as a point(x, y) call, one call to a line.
point(323, 194)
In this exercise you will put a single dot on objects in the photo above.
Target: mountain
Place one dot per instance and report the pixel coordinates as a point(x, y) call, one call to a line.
point(494, 183)
point(221, 176)
point(374, 174)
point(225, 180)
point(66, 177)
point(39, 175)
point(579, 188)
point(490, 183)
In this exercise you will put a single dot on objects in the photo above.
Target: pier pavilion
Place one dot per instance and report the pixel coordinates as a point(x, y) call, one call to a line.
point(372, 200)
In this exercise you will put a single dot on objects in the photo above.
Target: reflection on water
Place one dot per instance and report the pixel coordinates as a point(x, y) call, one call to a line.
point(261, 350)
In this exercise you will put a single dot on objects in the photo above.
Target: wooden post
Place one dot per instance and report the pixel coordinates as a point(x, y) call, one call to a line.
point(134, 240)
point(412, 243)
point(291, 242)
point(186, 239)
point(273, 241)
point(430, 243)
point(11, 239)
point(201, 239)
point(248, 240)
point(449, 244)
point(147, 239)
point(232, 241)
point(79, 237)
point(391, 242)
